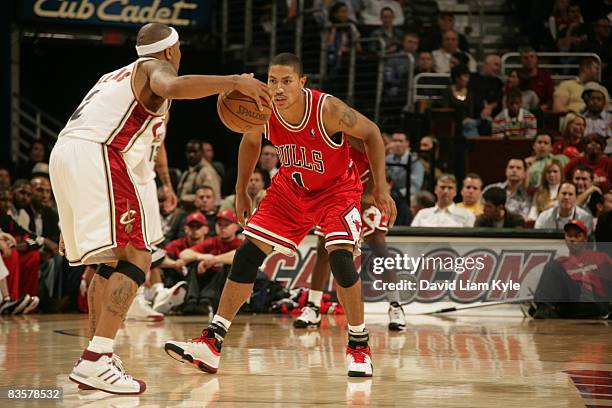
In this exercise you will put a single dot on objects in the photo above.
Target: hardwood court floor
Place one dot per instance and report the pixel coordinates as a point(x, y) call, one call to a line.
point(437, 362)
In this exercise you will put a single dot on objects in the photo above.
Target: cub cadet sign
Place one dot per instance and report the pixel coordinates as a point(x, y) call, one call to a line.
point(117, 12)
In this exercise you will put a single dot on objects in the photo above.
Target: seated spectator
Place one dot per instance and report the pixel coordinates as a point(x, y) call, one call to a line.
point(603, 227)
point(172, 222)
point(495, 214)
point(514, 121)
point(588, 194)
point(339, 39)
point(442, 55)
point(446, 22)
point(518, 79)
point(38, 154)
point(205, 203)
point(458, 97)
point(398, 160)
point(391, 36)
point(196, 229)
point(22, 198)
point(420, 200)
point(398, 66)
point(559, 19)
point(600, 42)
point(518, 199)
point(545, 196)
point(568, 95)
point(268, 159)
point(598, 120)
point(372, 11)
point(487, 93)
point(577, 285)
point(5, 178)
point(594, 158)
point(208, 151)
point(206, 279)
point(424, 63)
point(573, 130)
point(573, 36)
point(565, 211)
point(200, 172)
point(256, 189)
point(429, 152)
point(542, 155)
point(44, 221)
point(540, 80)
point(471, 193)
point(445, 213)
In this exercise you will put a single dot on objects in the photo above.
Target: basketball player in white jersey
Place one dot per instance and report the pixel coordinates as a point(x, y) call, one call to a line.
point(100, 205)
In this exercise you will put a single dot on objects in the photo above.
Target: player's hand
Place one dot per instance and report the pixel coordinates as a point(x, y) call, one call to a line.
point(171, 200)
point(385, 204)
point(243, 207)
point(254, 88)
point(8, 238)
point(62, 246)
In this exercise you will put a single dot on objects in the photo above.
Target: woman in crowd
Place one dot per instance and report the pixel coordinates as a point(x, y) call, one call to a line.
point(573, 131)
point(546, 195)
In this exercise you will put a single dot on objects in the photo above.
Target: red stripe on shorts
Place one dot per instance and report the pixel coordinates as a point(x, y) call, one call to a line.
point(128, 215)
point(131, 126)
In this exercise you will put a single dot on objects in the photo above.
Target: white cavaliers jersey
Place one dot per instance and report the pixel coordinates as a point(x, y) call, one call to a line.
point(144, 170)
point(111, 114)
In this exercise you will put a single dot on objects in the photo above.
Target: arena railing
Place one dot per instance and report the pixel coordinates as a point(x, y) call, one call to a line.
point(428, 86)
point(566, 66)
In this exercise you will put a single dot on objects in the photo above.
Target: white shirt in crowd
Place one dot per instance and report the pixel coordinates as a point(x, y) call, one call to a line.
point(451, 216)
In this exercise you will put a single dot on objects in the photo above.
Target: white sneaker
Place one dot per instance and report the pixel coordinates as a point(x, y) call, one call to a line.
point(103, 374)
point(310, 317)
point(141, 310)
point(397, 319)
point(167, 299)
point(359, 362)
point(23, 302)
point(203, 352)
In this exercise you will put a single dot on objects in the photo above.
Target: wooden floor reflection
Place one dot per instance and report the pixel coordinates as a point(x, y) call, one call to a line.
point(437, 362)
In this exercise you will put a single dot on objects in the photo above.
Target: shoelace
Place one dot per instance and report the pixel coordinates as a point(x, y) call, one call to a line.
point(118, 364)
point(204, 338)
point(359, 355)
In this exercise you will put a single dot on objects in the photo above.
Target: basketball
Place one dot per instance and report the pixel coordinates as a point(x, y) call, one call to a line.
point(239, 112)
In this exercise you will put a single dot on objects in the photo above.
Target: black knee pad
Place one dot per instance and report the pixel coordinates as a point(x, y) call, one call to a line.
point(247, 260)
point(343, 268)
point(105, 271)
point(131, 271)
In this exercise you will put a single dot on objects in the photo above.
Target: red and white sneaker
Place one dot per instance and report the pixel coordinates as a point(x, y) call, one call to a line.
point(204, 352)
point(101, 372)
point(359, 361)
point(141, 310)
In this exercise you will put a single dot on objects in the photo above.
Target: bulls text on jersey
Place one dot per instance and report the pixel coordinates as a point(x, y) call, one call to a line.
point(293, 155)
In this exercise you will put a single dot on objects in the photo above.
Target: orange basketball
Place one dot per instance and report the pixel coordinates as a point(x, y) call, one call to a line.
point(239, 112)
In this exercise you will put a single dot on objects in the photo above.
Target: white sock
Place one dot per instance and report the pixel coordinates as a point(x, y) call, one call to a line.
point(221, 322)
point(357, 329)
point(315, 297)
point(101, 345)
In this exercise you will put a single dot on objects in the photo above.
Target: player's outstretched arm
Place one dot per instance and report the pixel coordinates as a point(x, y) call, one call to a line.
point(166, 83)
point(248, 154)
point(339, 117)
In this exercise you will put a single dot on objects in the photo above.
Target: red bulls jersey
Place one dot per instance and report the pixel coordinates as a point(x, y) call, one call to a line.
point(307, 154)
point(361, 163)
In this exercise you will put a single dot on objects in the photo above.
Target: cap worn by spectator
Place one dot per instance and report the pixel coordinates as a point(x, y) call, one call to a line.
point(196, 217)
point(228, 215)
point(594, 86)
point(576, 224)
point(40, 169)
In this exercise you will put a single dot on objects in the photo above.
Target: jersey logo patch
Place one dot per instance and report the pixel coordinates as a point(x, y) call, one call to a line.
point(127, 219)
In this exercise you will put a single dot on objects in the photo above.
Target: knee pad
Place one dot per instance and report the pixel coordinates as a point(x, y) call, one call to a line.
point(343, 268)
point(131, 271)
point(105, 271)
point(247, 260)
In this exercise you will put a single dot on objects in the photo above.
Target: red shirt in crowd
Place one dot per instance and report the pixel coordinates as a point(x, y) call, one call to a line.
point(214, 246)
point(543, 85)
point(563, 147)
point(602, 170)
point(174, 248)
point(588, 268)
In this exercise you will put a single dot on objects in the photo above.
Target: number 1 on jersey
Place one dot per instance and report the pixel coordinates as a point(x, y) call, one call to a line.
point(297, 176)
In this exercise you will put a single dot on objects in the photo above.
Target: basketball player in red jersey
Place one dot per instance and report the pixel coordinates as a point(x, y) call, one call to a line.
point(316, 185)
point(374, 230)
point(100, 204)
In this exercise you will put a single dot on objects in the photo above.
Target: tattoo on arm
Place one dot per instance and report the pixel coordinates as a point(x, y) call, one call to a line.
point(348, 117)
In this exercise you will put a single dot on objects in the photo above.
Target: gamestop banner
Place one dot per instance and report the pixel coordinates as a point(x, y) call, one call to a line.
point(119, 13)
point(431, 273)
